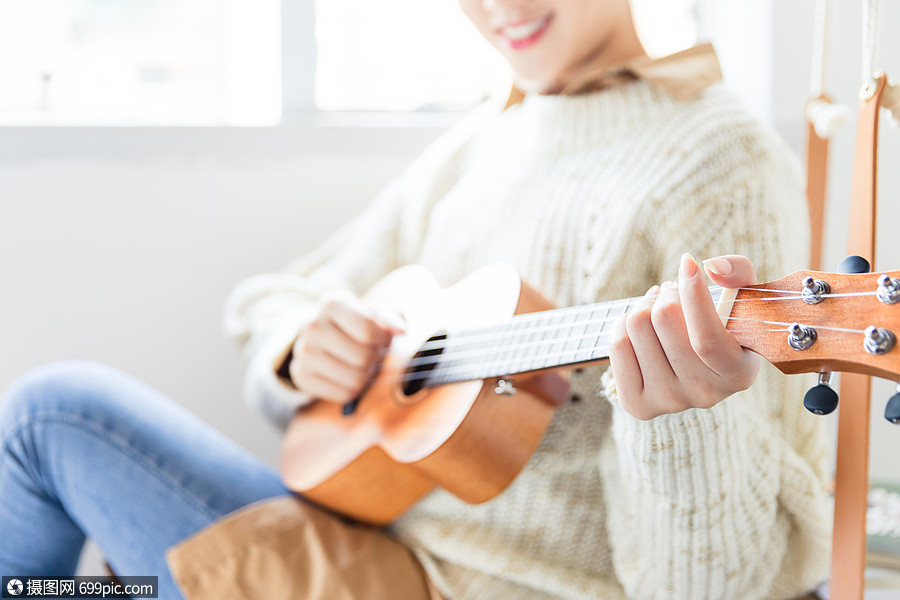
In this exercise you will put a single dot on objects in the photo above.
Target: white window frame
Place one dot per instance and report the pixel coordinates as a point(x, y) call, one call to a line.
point(298, 82)
point(298, 58)
point(298, 70)
point(298, 77)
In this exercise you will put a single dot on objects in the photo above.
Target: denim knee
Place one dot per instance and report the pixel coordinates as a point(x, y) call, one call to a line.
point(63, 387)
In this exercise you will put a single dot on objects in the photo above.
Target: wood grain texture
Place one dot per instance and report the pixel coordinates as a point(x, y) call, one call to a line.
point(762, 326)
point(463, 437)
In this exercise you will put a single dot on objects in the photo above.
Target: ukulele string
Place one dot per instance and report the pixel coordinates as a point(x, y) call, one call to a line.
point(403, 404)
point(823, 296)
point(537, 359)
point(485, 333)
point(825, 327)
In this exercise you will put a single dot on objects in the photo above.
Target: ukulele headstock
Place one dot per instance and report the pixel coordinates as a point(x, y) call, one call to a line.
point(811, 321)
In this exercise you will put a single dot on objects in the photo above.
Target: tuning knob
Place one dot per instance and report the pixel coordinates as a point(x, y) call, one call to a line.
point(822, 399)
point(892, 410)
point(854, 264)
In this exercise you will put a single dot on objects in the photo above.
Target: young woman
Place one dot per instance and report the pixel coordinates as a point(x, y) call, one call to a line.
point(659, 478)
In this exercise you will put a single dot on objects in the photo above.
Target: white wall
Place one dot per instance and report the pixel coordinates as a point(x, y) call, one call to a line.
point(119, 245)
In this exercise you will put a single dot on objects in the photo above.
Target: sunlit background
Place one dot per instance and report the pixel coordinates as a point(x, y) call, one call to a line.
point(210, 62)
point(140, 61)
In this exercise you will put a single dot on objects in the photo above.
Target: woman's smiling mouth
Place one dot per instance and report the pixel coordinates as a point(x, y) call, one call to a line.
point(523, 34)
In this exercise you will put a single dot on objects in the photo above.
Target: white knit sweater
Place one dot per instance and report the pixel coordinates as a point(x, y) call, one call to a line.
point(594, 197)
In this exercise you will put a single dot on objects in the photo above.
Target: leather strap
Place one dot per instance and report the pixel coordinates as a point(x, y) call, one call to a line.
point(848, 559)
point(816, 184)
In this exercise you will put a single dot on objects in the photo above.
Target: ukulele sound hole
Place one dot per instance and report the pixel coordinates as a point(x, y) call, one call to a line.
point(423, 362)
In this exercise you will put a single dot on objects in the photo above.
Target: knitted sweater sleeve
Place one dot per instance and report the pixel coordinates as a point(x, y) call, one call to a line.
point(728, 502)
point(264, 314)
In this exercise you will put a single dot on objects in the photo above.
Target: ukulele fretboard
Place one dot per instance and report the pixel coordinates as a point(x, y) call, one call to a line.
point(528, 342)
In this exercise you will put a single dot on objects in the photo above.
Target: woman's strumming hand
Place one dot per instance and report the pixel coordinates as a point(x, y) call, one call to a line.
point(336, 351)
point(671, 352)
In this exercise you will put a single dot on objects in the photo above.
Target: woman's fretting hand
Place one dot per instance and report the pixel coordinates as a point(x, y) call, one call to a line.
point(336, 351)
point(671, 352)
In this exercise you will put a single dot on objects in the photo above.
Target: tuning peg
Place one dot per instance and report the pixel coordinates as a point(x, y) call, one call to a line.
point(854, 264)
point(888, 290)
point(892, 410)
point(822, 399)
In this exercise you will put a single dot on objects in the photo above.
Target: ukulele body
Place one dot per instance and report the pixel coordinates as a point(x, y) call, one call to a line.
point(464, 437)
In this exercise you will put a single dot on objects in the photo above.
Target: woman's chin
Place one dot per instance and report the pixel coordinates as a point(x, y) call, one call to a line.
point(539, 85)
point(536, 78)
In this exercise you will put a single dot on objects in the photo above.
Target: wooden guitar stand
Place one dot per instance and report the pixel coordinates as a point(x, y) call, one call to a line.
point(852, 471)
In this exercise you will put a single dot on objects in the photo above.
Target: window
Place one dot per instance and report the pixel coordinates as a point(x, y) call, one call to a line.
point(401, 55)
point(140, 61)
point(665, 26)
point(210, 62)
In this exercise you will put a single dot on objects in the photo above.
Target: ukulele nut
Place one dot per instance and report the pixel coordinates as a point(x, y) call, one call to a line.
point(814, 290)
point(800, 337)
point(505, 387)
point(878, 341)
point(888, 290)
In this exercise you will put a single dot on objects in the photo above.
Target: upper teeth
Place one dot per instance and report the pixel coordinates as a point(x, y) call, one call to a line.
point(523, 30)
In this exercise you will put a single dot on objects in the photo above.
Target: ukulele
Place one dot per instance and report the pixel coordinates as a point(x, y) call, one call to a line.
point(462, 397)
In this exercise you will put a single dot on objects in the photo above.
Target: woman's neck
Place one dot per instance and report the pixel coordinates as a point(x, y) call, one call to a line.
point(621, 45)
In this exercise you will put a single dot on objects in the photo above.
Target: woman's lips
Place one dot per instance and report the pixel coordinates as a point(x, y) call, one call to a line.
point(519, 36)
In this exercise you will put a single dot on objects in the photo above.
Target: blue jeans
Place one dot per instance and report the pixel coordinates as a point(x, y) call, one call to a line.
point(89, 451)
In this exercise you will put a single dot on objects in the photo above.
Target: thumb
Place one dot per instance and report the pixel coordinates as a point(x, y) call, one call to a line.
point(730, 271)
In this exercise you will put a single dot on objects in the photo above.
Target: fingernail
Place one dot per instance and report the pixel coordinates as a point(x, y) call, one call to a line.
point(718, 266)
point(688, 266)
point(652, 291)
